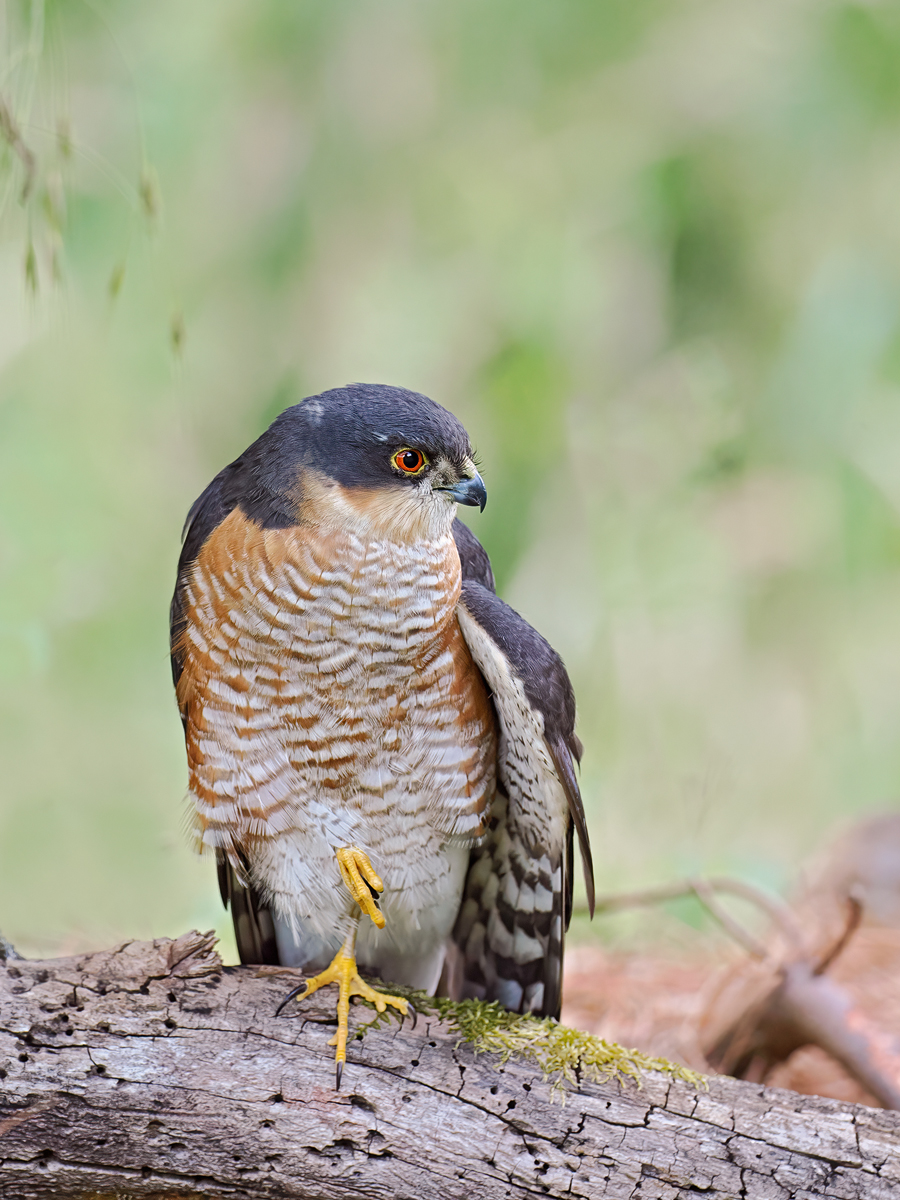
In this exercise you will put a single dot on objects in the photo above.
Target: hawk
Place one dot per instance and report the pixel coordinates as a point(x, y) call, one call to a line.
point(381, 751)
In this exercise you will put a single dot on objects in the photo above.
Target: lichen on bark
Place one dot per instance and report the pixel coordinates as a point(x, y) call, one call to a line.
point(564, 1056)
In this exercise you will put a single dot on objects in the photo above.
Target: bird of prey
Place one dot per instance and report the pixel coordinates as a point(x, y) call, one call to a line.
point(381, 751)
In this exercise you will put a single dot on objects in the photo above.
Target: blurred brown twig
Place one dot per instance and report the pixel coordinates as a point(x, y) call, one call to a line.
point(765, 1010)
point(11, 134)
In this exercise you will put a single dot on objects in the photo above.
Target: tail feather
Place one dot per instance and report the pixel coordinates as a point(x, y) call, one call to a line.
point(254, 928)
point(511, 925)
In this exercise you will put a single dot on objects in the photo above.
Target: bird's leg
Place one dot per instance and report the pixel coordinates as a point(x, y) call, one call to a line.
point(357, 873)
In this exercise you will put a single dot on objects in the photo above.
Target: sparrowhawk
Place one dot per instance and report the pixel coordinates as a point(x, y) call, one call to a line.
point(381, 751)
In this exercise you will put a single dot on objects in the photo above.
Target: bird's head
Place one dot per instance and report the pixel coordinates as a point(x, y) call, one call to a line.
point(379, 461)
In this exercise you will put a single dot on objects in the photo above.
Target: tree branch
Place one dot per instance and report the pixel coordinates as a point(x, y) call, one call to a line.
point(704, 890)
point(150, 1070)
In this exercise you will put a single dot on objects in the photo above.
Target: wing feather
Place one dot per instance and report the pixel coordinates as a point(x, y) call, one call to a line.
point(517, 899)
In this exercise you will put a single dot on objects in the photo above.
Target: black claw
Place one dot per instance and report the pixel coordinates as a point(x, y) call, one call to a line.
point(292, 995)
point(415, 1015)
point(339, 1070)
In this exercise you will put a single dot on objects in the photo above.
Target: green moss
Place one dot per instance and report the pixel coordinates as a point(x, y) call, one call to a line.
point(561, 1054)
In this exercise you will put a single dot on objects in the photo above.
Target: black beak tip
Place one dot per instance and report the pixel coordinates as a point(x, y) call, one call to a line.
point(479, 493)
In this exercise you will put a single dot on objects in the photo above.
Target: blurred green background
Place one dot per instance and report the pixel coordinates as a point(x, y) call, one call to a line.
point(648, 252)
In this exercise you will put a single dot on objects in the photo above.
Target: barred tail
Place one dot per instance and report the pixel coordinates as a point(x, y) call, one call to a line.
point(508, 937)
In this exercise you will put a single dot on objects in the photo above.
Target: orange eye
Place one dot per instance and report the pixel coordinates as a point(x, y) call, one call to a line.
point(410, 462)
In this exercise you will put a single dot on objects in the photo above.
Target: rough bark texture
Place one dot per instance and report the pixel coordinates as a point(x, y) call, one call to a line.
point(150, 1070)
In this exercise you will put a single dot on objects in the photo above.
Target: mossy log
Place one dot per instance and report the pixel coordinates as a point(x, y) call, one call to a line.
point(150, 1070)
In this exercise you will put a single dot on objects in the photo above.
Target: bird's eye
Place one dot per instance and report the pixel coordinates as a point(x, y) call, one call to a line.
point(410, 462)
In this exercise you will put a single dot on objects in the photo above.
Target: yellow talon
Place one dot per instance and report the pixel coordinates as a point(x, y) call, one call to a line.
point(359, 876)
point(357, 872)
point(343, 972)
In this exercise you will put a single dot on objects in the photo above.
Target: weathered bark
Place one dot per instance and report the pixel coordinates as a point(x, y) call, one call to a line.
point(150, 1070)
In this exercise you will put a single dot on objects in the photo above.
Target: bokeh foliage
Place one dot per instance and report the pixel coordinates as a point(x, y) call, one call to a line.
point(648, 252)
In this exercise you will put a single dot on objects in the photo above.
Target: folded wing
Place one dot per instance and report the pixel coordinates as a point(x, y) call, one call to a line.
point(517, 900)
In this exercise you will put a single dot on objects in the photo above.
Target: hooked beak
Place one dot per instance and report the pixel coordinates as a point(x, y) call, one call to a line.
point(468, 491)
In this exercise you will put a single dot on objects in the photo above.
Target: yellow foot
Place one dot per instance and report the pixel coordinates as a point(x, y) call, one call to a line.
point(343, 972)
point(359, 876)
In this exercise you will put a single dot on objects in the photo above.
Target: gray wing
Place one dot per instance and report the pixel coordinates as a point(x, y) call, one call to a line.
point(517, 900)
